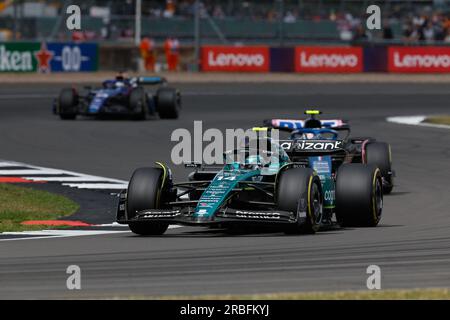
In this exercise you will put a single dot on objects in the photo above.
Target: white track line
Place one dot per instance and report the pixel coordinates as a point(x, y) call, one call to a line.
point(97, 186)
point(72, 179)
point(25, 172)
point(80, 180)
point(50, 234)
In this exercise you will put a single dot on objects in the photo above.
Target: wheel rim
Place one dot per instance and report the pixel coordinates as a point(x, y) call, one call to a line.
point(317, 205)
point(378, 198)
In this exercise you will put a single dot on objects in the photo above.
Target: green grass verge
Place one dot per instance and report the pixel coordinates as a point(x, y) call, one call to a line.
point(18, 204)
point(413, 294)
point(438, 120)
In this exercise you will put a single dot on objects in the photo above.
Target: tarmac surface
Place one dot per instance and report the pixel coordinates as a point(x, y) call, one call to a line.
point(411, 245)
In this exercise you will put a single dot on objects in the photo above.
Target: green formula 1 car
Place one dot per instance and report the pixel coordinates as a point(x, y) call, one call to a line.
point(297, 186)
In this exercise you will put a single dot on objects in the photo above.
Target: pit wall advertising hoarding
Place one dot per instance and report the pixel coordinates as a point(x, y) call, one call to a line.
point(328, 59)
point(235, 59)
point(418, 59)
point(48, 57)
point(265, 59)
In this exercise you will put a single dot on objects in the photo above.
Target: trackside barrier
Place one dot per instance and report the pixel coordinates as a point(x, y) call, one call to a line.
point(281, 59)
point(375, 59)
point(78, 57)
point(235, 59)
point(327, 59)
point(419, 59)
point(48, 57)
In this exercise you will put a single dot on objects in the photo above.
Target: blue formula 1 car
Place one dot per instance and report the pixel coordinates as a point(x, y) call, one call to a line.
point(120, 97)
point(299, 185)
point(365, 150)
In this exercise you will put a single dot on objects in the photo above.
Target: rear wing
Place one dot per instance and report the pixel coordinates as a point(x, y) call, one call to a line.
point(150, 80)
point(316, 147)
point(291, 124)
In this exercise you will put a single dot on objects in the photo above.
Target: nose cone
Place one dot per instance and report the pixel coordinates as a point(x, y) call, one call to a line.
point(213, 197)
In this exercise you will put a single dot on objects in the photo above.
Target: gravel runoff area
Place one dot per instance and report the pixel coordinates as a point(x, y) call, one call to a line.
point(189, 77)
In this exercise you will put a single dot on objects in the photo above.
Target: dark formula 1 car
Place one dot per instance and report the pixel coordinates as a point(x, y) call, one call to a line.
point(366, 150)
point(120, 97)
point(300, 186)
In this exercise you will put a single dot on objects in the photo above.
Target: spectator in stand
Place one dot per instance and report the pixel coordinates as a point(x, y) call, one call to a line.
point(447, 37)
point(89, 35)
point(438, 25)
point(77, 36)
point(388, 34)
point(446, 25)
point(185, 8)
point(218, 13)
point(272, 15)
point(290, 17)
point(126, 33)
point(344, 26)
point(169, 12)
point(409, 33)
point(428, 31)
point(360, 33)
point(420, 22)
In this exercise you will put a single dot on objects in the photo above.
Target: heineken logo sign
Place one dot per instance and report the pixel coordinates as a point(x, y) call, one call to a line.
point(48, 57)
point(17, 57)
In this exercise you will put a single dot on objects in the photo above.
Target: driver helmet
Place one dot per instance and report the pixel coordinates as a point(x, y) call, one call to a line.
point(120, 76)
point(312, 123)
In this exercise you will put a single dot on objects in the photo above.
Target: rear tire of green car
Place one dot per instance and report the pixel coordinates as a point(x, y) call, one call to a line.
point(359, 195)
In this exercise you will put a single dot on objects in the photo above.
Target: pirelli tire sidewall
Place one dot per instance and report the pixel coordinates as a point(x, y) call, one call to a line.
point(296, 189)
point(138, 103)
point(359, 195)
point(67, 104)
point(379, 154)
point(144, 192)
point(168, 103)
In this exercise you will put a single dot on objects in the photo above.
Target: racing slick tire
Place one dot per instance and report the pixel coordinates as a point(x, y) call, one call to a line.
point(67, 104)
point(168, 103)
point(299, 190)
point(138, 103)
point(143, 193)
point(359, 195)
point(379, 154)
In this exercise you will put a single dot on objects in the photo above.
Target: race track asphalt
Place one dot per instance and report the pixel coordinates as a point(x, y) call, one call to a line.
point(411, 245)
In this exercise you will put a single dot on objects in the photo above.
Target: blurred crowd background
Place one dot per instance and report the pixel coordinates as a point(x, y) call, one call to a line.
point(230, 21)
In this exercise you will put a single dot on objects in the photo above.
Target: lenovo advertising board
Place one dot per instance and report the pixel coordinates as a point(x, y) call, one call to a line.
point(328, 59)
point(419, 59)
point(235, 59)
